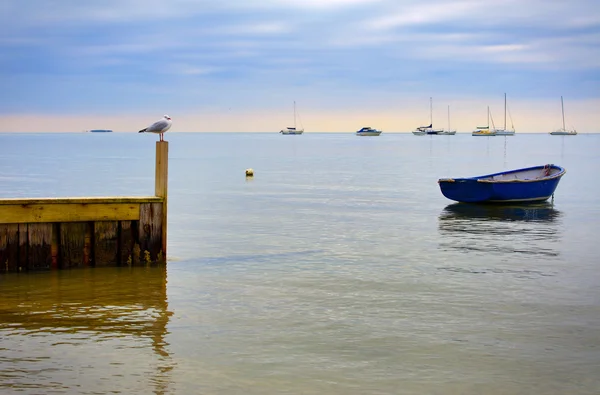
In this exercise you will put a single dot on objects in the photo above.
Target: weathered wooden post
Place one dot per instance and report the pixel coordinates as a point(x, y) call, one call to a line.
point(161, 182)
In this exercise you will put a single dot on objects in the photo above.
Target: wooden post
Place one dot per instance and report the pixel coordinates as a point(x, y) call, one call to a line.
point(161, 185)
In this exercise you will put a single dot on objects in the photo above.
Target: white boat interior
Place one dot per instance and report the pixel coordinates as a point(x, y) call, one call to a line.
point(524, 175)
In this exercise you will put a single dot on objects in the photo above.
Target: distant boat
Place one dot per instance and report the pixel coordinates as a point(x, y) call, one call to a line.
point(292, 130)
point(423, 130)
point(100, 131)
point(449, 131)
point(503, 131)
point(368, 131)
point(531, 184)
point(563, 131)
point(484, 130)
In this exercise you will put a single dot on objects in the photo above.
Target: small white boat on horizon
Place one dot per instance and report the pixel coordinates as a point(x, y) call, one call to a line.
point(563, 131)
point(504, 131)
point(368, 131)
point(448, 132)
point(293, 130)
point(484, 130)
point(423, 130)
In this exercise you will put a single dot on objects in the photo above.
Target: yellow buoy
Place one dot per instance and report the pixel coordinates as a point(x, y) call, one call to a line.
point(249, 173)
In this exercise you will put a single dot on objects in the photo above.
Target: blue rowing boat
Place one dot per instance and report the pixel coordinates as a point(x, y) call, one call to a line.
point(531, 184)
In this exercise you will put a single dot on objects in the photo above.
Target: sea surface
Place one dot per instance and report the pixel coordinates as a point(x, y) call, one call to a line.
point(339, 268)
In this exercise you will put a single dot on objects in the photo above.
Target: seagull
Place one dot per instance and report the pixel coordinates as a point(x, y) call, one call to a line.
point(159, 127)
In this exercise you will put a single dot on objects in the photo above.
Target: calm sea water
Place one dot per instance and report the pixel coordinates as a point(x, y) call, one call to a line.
point(338, 269)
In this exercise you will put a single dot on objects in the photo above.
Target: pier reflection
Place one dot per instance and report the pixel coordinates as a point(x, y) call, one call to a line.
point(525, 229)
point(108, 322)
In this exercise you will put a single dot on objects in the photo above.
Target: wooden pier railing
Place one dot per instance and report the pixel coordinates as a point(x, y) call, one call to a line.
point(64, 233)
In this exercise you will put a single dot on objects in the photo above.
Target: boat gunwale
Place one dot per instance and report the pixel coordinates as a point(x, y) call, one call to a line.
point(482, 179)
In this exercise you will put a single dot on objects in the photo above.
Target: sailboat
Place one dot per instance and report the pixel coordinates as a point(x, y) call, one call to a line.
point(484, 130)
point(292, 130)
point(449, 131)
point(422, 130)
point(563, 131)
point(503, 131)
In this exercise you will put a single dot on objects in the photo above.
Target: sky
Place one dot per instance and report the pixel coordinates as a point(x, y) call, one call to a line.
point(239, 65)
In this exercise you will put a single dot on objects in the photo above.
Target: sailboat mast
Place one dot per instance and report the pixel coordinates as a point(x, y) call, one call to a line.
point(563, 111)
point(505, 111)
point(431, 111)
point(294, 114)
point(488, 124)
point(448, 117)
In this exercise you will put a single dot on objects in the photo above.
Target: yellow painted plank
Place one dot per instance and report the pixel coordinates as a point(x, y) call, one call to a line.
point(82, 200)
point(68, 212)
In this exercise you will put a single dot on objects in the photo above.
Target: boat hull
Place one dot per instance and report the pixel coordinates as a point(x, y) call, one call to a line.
point(503, 188)
point(291, 131)
point(368, 133)
point(563, 133)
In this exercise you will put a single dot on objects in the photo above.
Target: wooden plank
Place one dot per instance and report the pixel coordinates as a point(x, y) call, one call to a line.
point(106, 243)
point(72, 244)
point(9, 248)
point(23, 246)
point(76, 212)
point(127, 238)
point(87, 245)
point(40, 246)
point(81, 200)
point(150, 232)
point(54, 264)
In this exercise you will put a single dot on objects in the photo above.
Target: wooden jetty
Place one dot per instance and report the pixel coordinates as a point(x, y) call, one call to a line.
point(65, 233)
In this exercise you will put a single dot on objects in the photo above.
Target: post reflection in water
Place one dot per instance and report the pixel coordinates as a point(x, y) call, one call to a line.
point(527, 230)
point(88, 330)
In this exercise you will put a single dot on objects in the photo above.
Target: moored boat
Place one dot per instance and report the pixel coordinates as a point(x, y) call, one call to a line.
point(484, 130)
point(290, 129)
point(449, 131)
point(564, 131)
point(504, 131)
point(531, 184)
point(423, 130)
point(368, 131)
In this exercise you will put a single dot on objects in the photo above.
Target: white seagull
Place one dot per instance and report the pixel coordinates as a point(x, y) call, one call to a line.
point(159, 127)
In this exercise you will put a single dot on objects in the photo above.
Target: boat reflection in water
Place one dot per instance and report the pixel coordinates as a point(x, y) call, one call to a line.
point(98, 330)
point(526, 229)
point(501, 212)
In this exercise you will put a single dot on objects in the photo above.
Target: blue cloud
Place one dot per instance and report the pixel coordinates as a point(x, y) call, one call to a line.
point(75, 56)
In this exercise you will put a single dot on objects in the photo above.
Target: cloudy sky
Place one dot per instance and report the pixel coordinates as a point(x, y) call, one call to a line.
point(238, 65)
